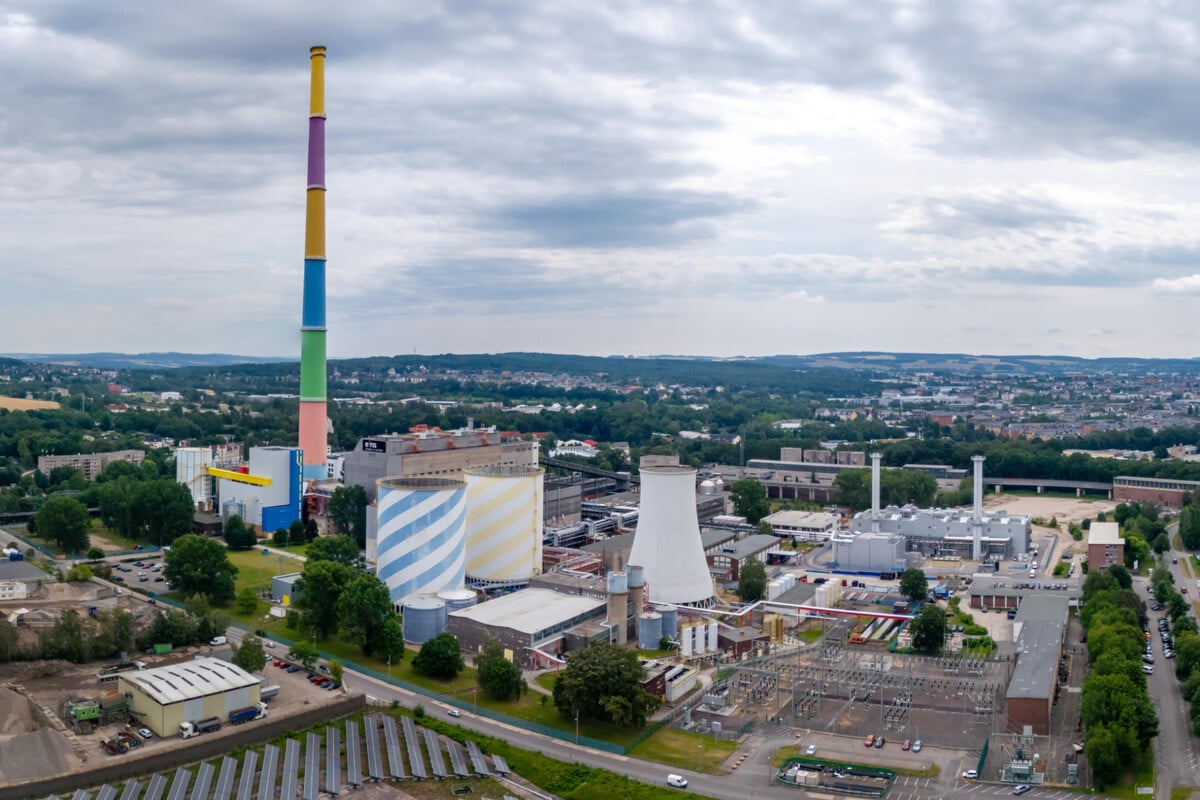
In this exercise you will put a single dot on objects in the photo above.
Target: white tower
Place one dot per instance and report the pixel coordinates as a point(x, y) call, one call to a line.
point(667, 543)
point(977, 509)
point(875, 457)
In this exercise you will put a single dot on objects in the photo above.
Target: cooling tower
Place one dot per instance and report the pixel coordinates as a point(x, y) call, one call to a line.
point(504, 524)
point(667, 543)
point(422, 535)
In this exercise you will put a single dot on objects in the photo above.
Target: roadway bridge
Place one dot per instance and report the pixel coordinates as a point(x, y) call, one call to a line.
point(1042, 484)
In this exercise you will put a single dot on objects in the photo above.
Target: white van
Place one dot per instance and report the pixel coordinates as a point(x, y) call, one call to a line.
point(678, 781)
point(216, 641)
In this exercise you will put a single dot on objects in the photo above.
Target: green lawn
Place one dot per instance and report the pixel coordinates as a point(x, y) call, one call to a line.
point(256, 570)
point(1142, 775)
point(688, 750)
point(811, 635)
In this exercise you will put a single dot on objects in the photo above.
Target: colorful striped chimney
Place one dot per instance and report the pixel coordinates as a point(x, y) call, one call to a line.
point(313, 438)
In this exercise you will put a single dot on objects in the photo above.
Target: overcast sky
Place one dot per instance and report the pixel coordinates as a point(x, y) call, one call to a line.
point(604, 177)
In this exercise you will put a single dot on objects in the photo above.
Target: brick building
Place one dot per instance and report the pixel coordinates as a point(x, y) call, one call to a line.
point(1105, 546)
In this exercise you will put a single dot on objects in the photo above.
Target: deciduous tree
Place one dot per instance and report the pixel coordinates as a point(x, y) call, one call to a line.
point(928, 629)
point(439, 658)
point(197, 564)
point(752, 581)
point(362, 607)
point(499, 678)
point(320, 586)
point(750, 499)
point(914, 585)
point(66, 521)
point(249, 655)
point(604, 682)
point(348, 510)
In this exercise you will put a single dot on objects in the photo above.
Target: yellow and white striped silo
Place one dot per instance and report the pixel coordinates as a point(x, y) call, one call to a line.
point(504, 524)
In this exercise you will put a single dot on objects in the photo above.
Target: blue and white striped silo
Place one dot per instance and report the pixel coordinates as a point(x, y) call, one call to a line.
point(422, 535)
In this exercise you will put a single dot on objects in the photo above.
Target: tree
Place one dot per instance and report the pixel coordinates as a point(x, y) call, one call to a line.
point(390, 641)
point(165, 509)
point(249, 655)
point(1161, 543)
point(280, 537)
point(305, 653)
point(95, 554)
point(348, 510)
point(339, 549)
point(336, 670)
point(237, 535)
point(752, 581)
point(361, 609)
point(199, 564)
point(296, 532)
point(80, 573)
point(320, 585)
point(604, 682)
point(311, 532)
point(1102, 754)
point(439, 658)
point(750, 499)
point(499, 678)
point(928, 629)
point(914, 585)
point(247, 601)
point(66, 521)
point(117, 502)
point(1187, 655)
point(1122, 576)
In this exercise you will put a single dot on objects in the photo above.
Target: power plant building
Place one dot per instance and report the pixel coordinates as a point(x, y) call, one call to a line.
point(871, 551)
point(432, 453)
point(271, 494)
point(531, 624)
point(163, 697)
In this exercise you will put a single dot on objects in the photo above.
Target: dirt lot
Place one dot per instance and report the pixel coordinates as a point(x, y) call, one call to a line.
point(21, 404)
point(53, 683)
point(1065, 508)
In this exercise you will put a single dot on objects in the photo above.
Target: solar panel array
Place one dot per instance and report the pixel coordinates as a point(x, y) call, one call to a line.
point(392, 736)
point(477, 759)
point(213, 785)
point(225, 779)
point(266, 777)
point(246, 784)
point(203, 781)
point(291, 770)
point(179, 785)
point(374, 759)
point(333, 760)
point(353, 756)
point(435, 753)
point(457, 763)
point(416, 761)
point(312, 766)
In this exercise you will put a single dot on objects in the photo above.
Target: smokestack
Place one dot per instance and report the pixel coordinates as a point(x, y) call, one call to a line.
point(977, 509)
point(313, 437)
point(875, 457)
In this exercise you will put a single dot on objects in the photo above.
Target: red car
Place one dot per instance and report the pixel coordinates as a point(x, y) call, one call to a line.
point(907, 744)
point(869, 741)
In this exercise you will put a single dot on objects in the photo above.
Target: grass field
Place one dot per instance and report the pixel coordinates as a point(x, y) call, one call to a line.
point(680, 748)
point(21, 404)
point(256, 570)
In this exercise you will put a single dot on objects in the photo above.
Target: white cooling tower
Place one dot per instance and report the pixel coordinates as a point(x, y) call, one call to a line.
point(504, 524)
point(421, 535)
point(667, 543)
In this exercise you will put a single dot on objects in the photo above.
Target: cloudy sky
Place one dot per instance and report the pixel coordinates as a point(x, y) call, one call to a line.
point(605, 177)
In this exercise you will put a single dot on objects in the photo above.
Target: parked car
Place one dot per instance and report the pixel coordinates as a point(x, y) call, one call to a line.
point(145, 733)
point(677, 781)
point(906, 745)
point(879, 742)
point(293, 668)
point(811, 750)
point(1021, 788)
point(917, 746)
point(971, 774)
point(869, 741)
point(454, 712)
point(1146, 668)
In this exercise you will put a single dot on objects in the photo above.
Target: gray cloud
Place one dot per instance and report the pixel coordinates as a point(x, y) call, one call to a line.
point(967, 217)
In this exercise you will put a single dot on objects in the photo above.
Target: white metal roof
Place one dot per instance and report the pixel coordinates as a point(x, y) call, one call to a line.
point(189, 680)
point(530, 610)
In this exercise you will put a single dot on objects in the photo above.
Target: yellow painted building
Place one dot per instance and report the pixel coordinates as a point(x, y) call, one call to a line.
point(163, 697)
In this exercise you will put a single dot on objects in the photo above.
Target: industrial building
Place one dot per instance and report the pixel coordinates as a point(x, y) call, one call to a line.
point(1105, 546)
point(725, 561)
point(1038, 630)
point(163, 697)
point(975, 534)
point(431, 452)
point(530, 623)
point(1166, 492)
point(667, 542)
point(504, 525)
point(268, 491)
point(870, 551)
point(192, 466)
point(988, 591)
point(803, 526)
point(284, 588)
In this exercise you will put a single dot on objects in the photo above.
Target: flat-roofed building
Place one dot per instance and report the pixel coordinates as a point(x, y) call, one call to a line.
point(90, 464)
point(1038, 631)
point(1167, 492)
point(531, 623)
point(803, 526)
point(1105, 546)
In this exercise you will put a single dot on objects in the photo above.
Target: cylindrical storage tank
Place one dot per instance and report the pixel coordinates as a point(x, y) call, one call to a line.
point(421, 535)
point(649, 630)
point(685, 640)
point(637, 576)
point(504, 522)
point(424, 618)
point(712, 638)
point(456, 599)
point(670, 622)
point(698, 638)
point(618, 583)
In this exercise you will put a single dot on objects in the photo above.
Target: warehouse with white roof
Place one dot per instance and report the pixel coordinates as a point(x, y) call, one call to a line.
point(163, 697)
